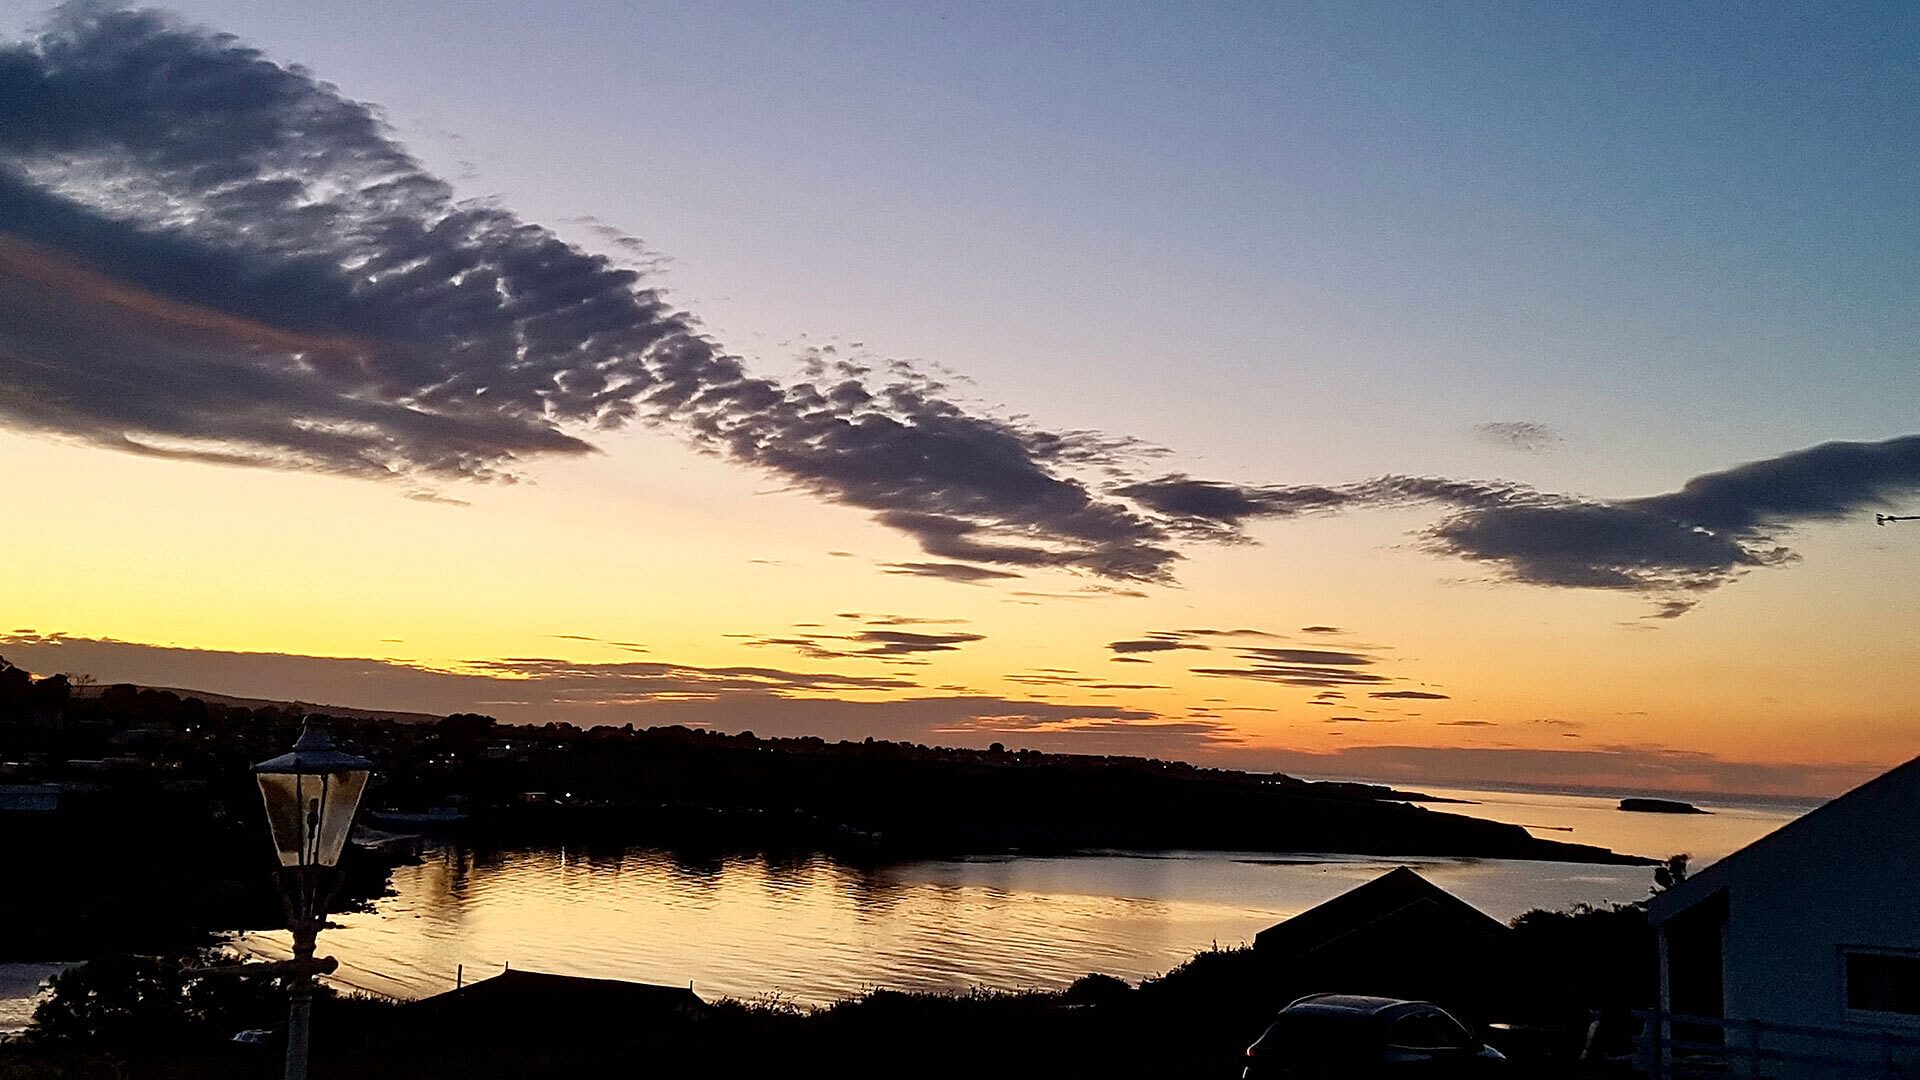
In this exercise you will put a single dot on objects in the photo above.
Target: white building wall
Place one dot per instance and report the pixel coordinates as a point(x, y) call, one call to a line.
point(1847, 875)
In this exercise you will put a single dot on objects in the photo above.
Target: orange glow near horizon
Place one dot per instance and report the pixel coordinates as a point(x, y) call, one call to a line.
point(252, 560)
point(1086, 405)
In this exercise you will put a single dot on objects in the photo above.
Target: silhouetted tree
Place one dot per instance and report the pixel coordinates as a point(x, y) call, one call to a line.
point(1670, 873)
point(15, 685)
point(466, 729)
point(50, 695)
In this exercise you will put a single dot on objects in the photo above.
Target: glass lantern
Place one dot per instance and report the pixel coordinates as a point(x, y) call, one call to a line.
point(311, 794)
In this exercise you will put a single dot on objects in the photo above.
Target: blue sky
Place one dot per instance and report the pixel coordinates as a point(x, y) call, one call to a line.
point(1292, 244)
point(1685, 233)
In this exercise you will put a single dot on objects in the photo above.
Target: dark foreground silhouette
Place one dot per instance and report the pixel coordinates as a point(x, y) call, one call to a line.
point(149, 1018)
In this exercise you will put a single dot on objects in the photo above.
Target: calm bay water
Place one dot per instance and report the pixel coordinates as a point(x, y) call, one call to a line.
point(1594, 820)
point(813, 930)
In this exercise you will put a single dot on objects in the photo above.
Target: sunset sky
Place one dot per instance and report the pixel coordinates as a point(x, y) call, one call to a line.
point(1459, 393)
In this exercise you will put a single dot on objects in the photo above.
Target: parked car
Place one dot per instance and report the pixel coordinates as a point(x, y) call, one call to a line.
point(1350, 1036)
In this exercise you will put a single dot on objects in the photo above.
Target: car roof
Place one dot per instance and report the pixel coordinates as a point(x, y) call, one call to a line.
point(1354, 1006)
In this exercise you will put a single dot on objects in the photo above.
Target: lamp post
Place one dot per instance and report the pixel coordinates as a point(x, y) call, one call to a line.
point(310, 794)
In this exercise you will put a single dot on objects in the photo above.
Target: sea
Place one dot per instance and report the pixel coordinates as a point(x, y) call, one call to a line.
point(812, 930)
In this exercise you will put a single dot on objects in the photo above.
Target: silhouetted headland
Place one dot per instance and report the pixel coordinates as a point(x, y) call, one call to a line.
point(161, 780)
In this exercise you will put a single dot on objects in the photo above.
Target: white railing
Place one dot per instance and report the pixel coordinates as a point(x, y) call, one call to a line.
point(1680, 1046)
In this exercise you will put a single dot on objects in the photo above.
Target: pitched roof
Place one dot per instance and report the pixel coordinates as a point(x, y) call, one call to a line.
point(522, 991)
point(1709, 882)
point(1392, 894)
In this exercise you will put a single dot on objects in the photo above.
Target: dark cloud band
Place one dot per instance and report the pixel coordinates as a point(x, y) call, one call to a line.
point(1673, 546)
point(211, 256)
point(208, 255)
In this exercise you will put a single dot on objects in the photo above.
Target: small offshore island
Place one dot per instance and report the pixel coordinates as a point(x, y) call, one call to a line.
point(1660, 806)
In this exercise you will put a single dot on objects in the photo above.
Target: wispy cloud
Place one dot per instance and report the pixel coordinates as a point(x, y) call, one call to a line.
point(288, 287)
point(1152, 644)
point(1046, 677)
point(1526, 436)
point(1308, 656)
point(210, 256)
point(867, 644)
point(1127, 737)
point(629, 646)
point(536, 690)
point(1283, 664)
point(963, 573)
point(1295, 675)
point(775, 701)
point(1673, 547)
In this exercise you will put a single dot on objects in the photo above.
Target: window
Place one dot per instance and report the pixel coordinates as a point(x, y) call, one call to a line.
point(1427, 1031)
point(1883, 983)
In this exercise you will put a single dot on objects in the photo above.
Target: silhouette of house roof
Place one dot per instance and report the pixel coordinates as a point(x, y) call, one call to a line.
point(1398, 897)
point(1858, 819)
point(524, 994)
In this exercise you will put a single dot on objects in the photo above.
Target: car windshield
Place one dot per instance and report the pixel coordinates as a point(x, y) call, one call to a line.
point(1427, 1030)
point(1315, 1032)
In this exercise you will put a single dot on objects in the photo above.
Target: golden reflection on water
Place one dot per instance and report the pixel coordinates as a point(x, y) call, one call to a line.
point(812, 930)
point(1598, 820)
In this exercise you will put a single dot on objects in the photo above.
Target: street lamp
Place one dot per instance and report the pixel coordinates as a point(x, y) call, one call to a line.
point(310, 794)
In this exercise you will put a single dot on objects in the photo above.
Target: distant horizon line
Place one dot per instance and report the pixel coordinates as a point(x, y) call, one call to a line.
point(1522, 787)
